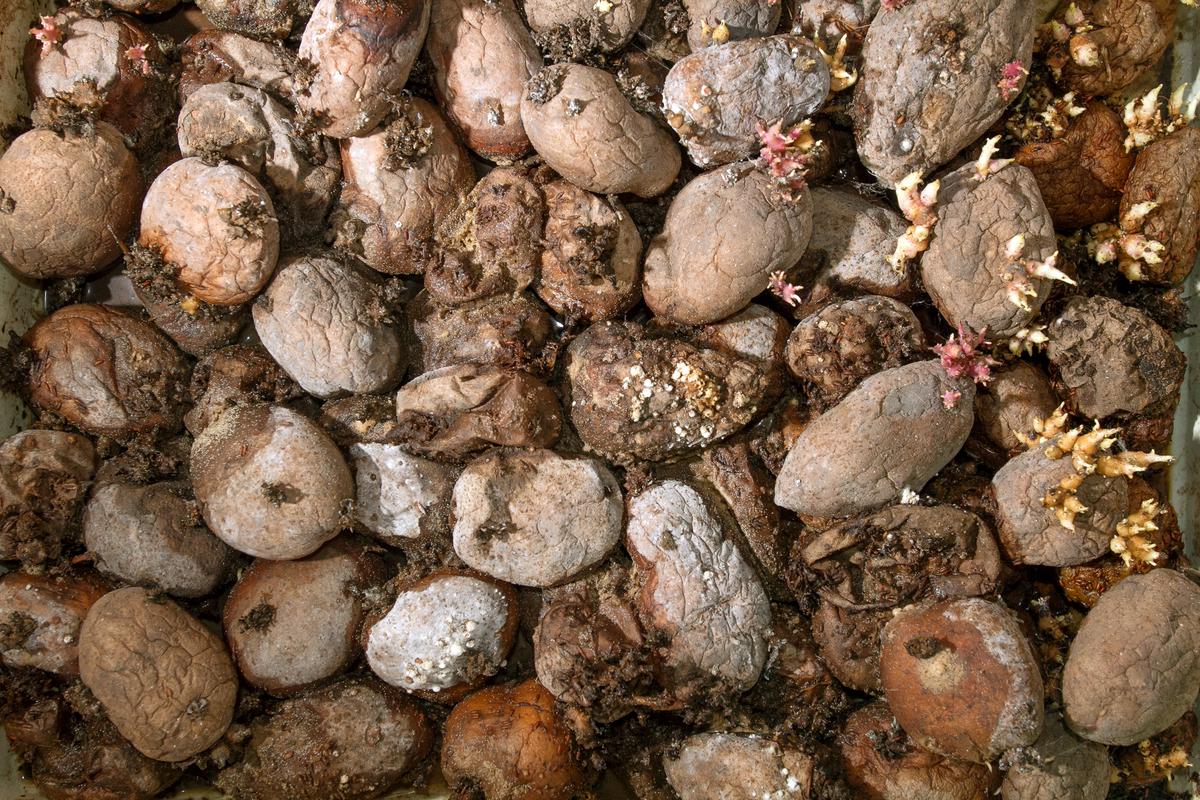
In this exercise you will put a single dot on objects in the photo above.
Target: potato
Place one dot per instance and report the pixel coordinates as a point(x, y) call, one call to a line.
point(716, 97)
point(725, 233)
point(66, 202)
point(966, 269)
point(1017, 396)
point(745, 19)
point(214, 55)
point(583, 126)
point(266, 19)
point(401, 497)
point(323, 321)
point(1119, 42)
point(482, 54)
point(696, 591)
point(359, 419)
point(363, 51)
point(1133, 669)
point(510, 743)
point(291, 624)
point(927, 83)
point(198, 334)
point(603, 31)
point(40, 618)
point(452, 412)
point(235, 375)
point(535, 518)
point(835, 349)
point(105, 371)
point(357, 738)
point(164, 679)
point(731, 766)
point(961, 679)
point(505, 331)
point(892, 433)
point(1167, 172)
point(830, 20)
point(756, 333)
point(445, 635)
point(269, 482)
point(44, 480)
point(152, 536)
point(632, 396)
point(402, 182)
point(1114, 359)
point(591, 262)
point(1062, 768)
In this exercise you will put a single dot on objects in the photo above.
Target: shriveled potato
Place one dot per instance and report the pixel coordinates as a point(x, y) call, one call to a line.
point(454, 411)
point(1118, 42)
point(583, 126)
point(506, 331)
point(696, 591)
point(849, 644)
point(830, 20)
point(40, 618)
point(445, 635)
point(105, 371)
point(634, 396)
point(731, 766)
point(44, 480)
point(1017, 396)
point(215, 55)
point(152, 536)
point(961, 679)
point(892, 433)
point(290, 624)
point(603, 30)
point(363, 51)
point(967, 269)
point(591, 262)
point(725, 233)
point(534, 517)
point(1114, 359)
point(357, 738)
point(324, 322)
point(266, 19)
point(402, 182)
point(716, 97)
point(1062, 767)
point(482, 54)
point(165, 680)
point(401, 497)
point(269, 482)
point(927, 85)
point(1132, 668)
point(66, 202)
point(235, 375)
point(744, 19)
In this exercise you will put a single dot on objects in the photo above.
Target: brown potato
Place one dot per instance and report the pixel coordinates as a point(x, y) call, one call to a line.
point(507, 331)
point(1011, 402)
point(215, 55)
point(401, 497)
point(266, 19)
point(66, 202)
point(44, 480)
point(235, 375)
point(1123, 41)
point(604, 31)
point(165, 680)
point(724, 235)
point(745, 19)
point(1062, 767)
point(731, 766)
point(482, 54)
point(40, 618)
point(583, 126)
point(199, 334)
point(830, 20)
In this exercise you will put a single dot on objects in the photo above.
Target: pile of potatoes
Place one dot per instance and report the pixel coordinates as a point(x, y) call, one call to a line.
point(551, 399)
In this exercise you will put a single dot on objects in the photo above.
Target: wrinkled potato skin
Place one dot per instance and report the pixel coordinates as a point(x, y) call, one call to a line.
point(482, 55)
point(901, 96)
point(1131, 36)
point(1011, 402)
point(616, 26)
point(715, 97)
point(216, 55)
point(1133, 668)
point(830, 20)
point(505, 331)
point(266, 19)
point(746, 19)
point(106, 372)
point(1168, 172)
point(67, 192)
point(363, 50)
point(53, 608)
point(1071, 768)
point(725, 233)
point(165, 679)
point(892, 432)
point(964, 269)
point(44, 481)
point(606, 147)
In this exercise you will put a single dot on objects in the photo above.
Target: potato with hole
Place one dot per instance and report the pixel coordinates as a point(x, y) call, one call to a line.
point(583, 126)
point(44, 480)
point(40, 616)
point(165, 680)
point(270, 483)
point(1061, 766)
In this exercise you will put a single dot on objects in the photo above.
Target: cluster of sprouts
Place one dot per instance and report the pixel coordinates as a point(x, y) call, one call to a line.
point(716, 34)
point(1042, 114)
point(787, 154)
point(47, 32)
point(841, 76)
point(1010, 79)
point(918, 205)
point(1019, 272)
point(1027, 340)
point(966, 356)
point(1125, 243)
point(1145, 120)
point(987, 165)
point(787, 292)
point(1075, 32)
point(1130, 543)
point(137, 54)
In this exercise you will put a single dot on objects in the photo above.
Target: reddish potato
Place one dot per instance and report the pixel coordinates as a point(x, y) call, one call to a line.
point(1062, 768)
point(1014, 399)
point(44, 479)
point(40, 618)
point(728, 766)
point(401, 497)
point(216, 55)
point(605, 30)
point(1118, 42)
point(744, 19)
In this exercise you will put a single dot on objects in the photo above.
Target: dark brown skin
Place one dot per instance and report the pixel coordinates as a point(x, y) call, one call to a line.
point(1167, 172)
point(235, 375)
point(215, 55)
point(268, 19)
point(1129, 36)
point(503, 331)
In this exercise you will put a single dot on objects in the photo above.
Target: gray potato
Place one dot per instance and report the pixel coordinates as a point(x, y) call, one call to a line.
point(401, 497)
point(1064, 768)
point(745, 19)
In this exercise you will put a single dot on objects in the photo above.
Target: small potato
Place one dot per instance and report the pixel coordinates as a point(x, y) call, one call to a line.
point(40, 618)
point(716, 97)
point(482, 54)
point(535, 518)
point(44, 480)
point(165, 680)
point(511, 744)
point(961, 679)
point(1011, 402)
point(269, 482)
point(401, 497)
point(290, 624)
point(325, 324)
point(66, 202)
point(504, 331)
point(756, 333)
point(744, 19)
point(236, 375)
point(725, 233)
point(152, 536)
point(445, 635)
point(1133, 668)
point(357, 738)
point(583, 126)
point(215, 55)
point(266, 19)
point(731, 766)
point(1063, 767)
point(1118, 42)
point(363, 51)
point(402, 183)
point(927, 83)
point(892, 433)
point(106, 372)
point(967, 269)
point(603, 30)
point(591, 262)
point(143, 6)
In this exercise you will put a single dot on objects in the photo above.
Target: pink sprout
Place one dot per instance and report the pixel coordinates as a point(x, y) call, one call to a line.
point(49, 34)
point(966, 357)
point(892, 5)
point(137, 54)
point(786, 160)
point(787, 292)
point(1010, 78)
point(950, 398)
